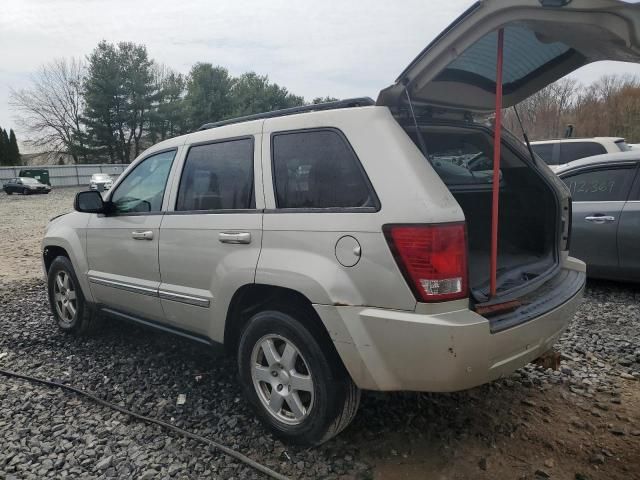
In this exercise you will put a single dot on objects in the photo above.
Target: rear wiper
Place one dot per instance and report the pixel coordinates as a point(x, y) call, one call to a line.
point(524, 134)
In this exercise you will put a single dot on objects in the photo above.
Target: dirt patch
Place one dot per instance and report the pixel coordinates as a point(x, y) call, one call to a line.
point(23, 219)
point(547, 433)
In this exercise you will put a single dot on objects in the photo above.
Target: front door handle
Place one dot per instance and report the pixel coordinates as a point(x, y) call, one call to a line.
point(234, 237)
point(599, 219)
point(148, 235)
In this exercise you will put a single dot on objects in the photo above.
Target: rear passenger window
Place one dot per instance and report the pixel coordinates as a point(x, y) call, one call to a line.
point(318, 169)
point(602, 185)
point(218, 176)
point(570, 151)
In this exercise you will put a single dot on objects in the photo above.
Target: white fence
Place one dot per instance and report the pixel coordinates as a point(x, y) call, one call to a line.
point(65, 175)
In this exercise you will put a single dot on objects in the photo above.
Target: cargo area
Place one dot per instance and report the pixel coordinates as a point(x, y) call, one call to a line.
point(463, 157)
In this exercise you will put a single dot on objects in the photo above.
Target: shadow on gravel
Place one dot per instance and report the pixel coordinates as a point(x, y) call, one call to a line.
point(399, 435)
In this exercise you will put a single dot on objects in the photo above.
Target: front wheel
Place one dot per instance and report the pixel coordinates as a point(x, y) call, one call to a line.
point(25, 191)
point(68, 305)
point(294, 379)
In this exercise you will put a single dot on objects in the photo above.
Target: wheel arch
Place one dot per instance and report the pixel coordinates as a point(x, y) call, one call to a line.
point(252, 298)
point(53, 247)
point(50, 253)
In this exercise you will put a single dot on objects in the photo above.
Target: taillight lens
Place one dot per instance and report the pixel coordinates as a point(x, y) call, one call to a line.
point(433, 259)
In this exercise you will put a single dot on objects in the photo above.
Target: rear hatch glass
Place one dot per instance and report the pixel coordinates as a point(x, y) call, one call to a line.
point(544, 40)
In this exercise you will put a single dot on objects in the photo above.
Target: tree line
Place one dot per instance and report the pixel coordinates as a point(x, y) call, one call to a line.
point(112, 105)
point(608, 107)
point(9, 151)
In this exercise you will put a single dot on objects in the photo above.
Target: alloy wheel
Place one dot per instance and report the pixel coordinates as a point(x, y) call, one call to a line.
point(282, 379)
point(65, 298)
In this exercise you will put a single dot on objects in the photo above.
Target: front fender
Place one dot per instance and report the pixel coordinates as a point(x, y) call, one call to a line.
point(70, 233)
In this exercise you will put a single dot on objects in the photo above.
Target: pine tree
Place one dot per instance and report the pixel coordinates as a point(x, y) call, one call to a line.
point(118, 92)
point(1, 149)
point(13, 150)
point(4, 148)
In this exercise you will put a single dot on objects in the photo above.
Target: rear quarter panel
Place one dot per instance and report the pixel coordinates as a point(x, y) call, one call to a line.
point(298, 248)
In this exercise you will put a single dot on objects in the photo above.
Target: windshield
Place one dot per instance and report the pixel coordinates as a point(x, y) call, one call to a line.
point(29, 181)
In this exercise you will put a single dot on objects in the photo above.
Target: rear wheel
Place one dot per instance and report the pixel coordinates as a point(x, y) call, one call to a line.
point(68, 305)
point(294, 380)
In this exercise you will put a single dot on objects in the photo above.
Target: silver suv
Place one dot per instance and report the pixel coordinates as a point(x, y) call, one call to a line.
point(346, 246)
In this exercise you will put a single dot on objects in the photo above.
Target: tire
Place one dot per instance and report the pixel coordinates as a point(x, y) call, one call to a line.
point(8, 192)
point(71, 311)
point(25, 191)
point(326, 398)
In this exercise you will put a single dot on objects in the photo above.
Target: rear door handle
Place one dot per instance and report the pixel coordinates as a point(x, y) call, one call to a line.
point(234, 237)
point(148, 235)
point(600, 219)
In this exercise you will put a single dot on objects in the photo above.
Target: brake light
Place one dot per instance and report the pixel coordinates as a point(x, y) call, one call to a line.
point(433, 259)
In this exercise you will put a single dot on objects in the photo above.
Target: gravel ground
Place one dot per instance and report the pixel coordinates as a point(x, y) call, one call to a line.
point(581, 422)
point(48, 433)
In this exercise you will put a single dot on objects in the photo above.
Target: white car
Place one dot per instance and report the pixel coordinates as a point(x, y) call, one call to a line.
point(338, 247)
point(100, 181)
point(557, 153)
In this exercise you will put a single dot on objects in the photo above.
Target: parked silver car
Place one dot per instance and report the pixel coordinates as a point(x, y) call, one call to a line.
point(339, 247)
point(100, 181)
point(606, 213)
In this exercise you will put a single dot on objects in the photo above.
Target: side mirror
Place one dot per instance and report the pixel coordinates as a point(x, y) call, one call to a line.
point(89, 202)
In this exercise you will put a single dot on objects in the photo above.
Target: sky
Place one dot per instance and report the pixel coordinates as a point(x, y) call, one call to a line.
point(314, 48)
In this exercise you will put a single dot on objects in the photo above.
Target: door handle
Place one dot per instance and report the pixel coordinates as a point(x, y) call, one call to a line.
point(234, 237)
point(148, 235)
point(599, 219)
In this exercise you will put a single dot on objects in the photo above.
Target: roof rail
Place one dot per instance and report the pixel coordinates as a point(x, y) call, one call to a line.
point(348, 103)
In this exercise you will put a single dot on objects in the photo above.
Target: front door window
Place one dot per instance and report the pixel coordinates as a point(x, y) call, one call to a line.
point(143, 189)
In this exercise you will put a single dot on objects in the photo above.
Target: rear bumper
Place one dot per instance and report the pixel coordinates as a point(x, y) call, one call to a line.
point(441, 352)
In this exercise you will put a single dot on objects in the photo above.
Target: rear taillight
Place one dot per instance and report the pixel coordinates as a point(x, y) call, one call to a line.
point(433, 259)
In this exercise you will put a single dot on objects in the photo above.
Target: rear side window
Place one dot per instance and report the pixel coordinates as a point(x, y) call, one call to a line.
point(601, 185)
point(318, 169)
point(570, 151)
point(218, 176)
point(545, 152)
point(622, 145)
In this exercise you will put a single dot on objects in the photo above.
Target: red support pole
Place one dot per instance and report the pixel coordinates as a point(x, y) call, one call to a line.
point(496, 166)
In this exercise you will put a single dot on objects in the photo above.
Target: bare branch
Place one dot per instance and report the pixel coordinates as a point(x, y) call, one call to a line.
point(50, 109)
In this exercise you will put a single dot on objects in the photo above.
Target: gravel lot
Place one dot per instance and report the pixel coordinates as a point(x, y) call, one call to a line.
point(22, 222)
point(582, 422)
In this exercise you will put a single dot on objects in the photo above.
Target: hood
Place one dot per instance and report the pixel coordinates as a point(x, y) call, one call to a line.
point(544, 40)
